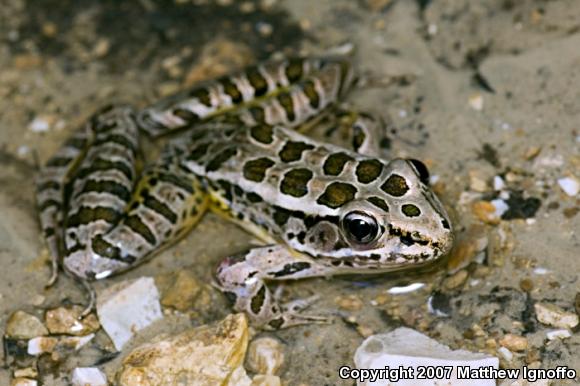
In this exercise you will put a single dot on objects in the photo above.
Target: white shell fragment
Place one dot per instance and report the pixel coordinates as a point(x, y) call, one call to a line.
point(409, 349)
point(558, 334)
point(88, 376)
point(405, 289)
point(128, 307)
point(553, 315)
point(569, 185)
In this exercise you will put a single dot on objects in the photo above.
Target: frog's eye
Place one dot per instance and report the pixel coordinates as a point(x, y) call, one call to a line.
point(360, 227)
point(421, 170)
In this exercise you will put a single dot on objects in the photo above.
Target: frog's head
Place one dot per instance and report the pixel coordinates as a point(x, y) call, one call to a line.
point(393, 221)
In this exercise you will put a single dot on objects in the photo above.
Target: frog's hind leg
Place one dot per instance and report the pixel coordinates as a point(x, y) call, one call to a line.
point(242, 279)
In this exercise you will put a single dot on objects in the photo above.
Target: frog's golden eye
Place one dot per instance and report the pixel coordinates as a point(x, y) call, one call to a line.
point(360, 227)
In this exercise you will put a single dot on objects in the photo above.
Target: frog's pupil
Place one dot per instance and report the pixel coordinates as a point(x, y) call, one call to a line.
point(360, 229)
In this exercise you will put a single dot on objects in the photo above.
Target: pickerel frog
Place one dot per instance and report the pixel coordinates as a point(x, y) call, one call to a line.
point(320, 209)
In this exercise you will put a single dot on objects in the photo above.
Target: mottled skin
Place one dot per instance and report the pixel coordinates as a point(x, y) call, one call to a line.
point(320, 209)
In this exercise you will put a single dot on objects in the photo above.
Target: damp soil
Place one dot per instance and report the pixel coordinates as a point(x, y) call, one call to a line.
point(477, 90)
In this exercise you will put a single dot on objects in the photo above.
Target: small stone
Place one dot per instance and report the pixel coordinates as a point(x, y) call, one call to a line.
point(505, 353)
point(498, 183)
point(29, 372)
point(127, 307)
point(102, 47)
point(49, 344)
point(514, 342)
point(413, 349)
point(526, 285)
point(558, 334)
point(455, 280)
point(553, 315)
point(21, 325)
point(27, 61)
point(500, 207)
point(49, 29)
point(570, 185)
point(349, 303)
point(532, 153)
point(485, 211)
point(266, 380)
point(476, 102)
point(63, 320)
point(88, 376)
point(265, 356)
point(42, 123)
point(205, 355)
point(41, 345)
point(23, 382)
point(264, 29)
point(476, 182)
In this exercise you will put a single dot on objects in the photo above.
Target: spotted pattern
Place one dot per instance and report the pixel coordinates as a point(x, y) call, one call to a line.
point(410, 210)
point(395, 185)
point(292, 151)
point(295, 182)
point(379, 203)
point(368, 170)
point(337, 194)
point(263, 134)
point(255, 170)
point(335, 163)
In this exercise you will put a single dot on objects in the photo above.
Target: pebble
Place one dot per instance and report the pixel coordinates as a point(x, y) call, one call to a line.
point(41, 124)
point(127, 307)
point(514, 342)
point(407, 347)
point(265, 356)
point(569, 185)
point(49, 344)
point(498, 183)
point(558, 334)
point(468, 248)
point(28, 372)
point(476, 102)
point(505, 353)
point(21, 325)
point(553, 315)
point(532, 153)
point(349, 303)
point(205, 355)
point(266, 380)
point(23, 382)
point(88, 376)
point(526, 285)
point(63, 320)
point(500, 207)
point(456, 280)
point(485, 211)
point(477, 183)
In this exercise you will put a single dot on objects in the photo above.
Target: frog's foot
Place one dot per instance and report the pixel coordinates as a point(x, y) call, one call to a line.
point(242, 279)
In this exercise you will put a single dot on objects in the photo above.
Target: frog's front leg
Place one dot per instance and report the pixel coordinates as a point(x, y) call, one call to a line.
point(242, 278)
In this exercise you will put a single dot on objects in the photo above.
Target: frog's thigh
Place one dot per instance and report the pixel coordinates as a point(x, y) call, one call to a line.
point(242, 277)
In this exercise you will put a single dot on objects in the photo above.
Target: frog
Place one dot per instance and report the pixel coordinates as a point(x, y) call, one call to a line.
point(240, 148)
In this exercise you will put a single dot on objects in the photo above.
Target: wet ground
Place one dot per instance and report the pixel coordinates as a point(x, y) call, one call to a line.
point(486, 93)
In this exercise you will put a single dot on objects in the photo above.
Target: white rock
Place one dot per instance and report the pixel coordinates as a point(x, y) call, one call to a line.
point(128, 307)
point(498, 183)
point(48, 344)
point(408, 348)
point(24, 382)
point(505, 353)
point(88, 376)
point(553, 315)
point(476, 102)
point(39, 125)
point(558, 334)
point(569, 185)
point(500, 207)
